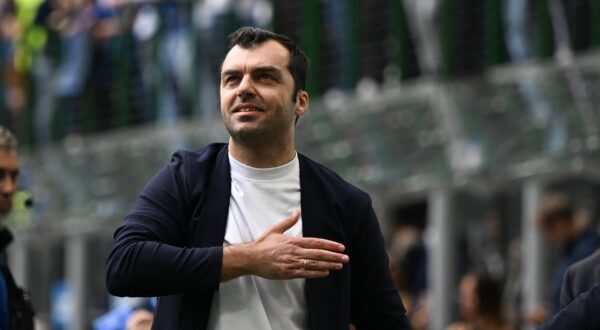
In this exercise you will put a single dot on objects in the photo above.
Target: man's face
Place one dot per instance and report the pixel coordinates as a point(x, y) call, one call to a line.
point(467, 297)
point(558, 232)
point(9, 170)
point(256, 93)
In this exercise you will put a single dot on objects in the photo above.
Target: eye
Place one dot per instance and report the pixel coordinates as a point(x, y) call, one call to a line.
point(230, 79)
point(8, 173)
point(266, 76)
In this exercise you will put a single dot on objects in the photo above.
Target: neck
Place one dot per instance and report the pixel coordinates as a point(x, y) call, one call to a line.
point(262, 155)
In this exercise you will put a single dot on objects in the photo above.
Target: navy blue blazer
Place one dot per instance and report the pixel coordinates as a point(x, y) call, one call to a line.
point(579, 278)
point(581, 314)
point(171, 246)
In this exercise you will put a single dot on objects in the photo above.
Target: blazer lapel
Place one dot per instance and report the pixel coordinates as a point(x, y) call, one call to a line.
point(309, 202)
point(326, 296)
point(208, 230)
point(212, 221)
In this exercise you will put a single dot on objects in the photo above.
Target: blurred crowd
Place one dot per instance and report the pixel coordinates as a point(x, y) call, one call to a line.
point(73, 66)
point(76, 66)
point(489, 277)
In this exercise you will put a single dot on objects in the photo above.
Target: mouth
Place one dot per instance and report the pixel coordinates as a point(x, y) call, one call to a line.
point(245, 108)
point(5, 205)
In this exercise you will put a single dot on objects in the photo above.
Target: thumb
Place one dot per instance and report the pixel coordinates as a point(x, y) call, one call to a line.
point(286, 224)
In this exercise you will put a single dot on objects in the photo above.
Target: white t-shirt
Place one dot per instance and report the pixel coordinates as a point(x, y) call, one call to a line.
point(259, 199)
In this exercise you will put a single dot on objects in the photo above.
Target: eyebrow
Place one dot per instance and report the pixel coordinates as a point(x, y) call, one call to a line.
point(261, 69)
point(267, 69)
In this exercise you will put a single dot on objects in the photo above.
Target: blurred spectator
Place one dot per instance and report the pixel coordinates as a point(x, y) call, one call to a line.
point(408, 246)
point(480, 304)
point(22, 38)
point(15, 308)
point(210, 19)
point(399, 276)
point(483, 245)
point(135, 314)
point(72, 19)
point(43, 75)
point(12, 89)
point(557, 221)
point(416, 308)
point(145, 26)
point(559, 225)
point(140, 320)
point(110, 67)
point(175, 56)
point(408, 263)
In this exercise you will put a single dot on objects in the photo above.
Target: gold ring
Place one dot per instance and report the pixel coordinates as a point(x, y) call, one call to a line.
point(305, 263)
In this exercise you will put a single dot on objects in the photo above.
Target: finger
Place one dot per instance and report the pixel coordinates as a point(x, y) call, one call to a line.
point(286, 224)
point(324, 255)
point(320, 244)
point(309, 273)
point(320, 265)
point(315, 273)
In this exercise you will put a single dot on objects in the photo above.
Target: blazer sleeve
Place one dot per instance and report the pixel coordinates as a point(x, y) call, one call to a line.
point(148, 256)
point(376, 303)
point(582, 313)
point(566, 289)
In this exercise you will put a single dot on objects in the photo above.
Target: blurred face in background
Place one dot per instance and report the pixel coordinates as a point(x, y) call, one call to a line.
point(9, 171)
point(559, 231)
point(467, 297)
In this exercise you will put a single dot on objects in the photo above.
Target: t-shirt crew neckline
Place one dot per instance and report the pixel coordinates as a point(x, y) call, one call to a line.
point(245, 172)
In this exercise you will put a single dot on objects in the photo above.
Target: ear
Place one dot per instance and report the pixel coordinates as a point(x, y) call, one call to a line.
point(301, 103)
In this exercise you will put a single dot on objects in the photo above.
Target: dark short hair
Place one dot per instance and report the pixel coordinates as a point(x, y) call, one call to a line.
point(248, 37)
point(8, 141)
point(489, 293)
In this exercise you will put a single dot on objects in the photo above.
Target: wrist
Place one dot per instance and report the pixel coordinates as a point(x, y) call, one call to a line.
point(236, 261)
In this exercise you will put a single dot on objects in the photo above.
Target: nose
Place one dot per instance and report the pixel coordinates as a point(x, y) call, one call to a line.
point(246, 87)
point(8, 186)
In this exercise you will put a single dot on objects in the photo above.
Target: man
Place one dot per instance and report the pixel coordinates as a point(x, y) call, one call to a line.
point(250, 234)
point(15, 309)
point(579, 278)
point(556, 220)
